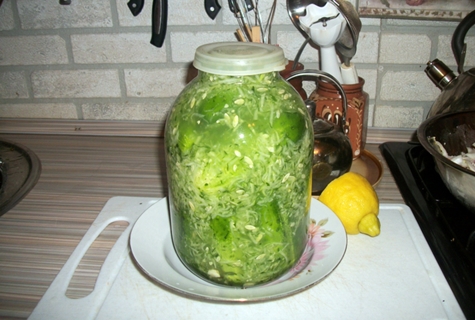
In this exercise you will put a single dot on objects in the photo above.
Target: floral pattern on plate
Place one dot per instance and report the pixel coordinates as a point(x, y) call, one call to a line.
point(314, 251)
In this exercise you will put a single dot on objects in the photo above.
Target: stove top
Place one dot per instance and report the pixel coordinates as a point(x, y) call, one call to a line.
point(447, 225)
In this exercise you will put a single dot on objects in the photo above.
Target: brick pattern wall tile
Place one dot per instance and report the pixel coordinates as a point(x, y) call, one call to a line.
point(370, 84)
point(30, 50)
point(48, 14)
point(75, 84)
point(6, 22)
point(190, 13)
point(404, 48)
point(115, 48)
point(398, 117)
point(93, 59)
point(367, 48)
point(444, 50)
point(407, 86)
point(13, 85)
point(155, 82)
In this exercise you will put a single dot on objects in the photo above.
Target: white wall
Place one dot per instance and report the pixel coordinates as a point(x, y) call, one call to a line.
point(92, 60)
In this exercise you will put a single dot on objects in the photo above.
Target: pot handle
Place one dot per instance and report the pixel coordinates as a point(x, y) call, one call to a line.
point(317, 74)
point(459, 46)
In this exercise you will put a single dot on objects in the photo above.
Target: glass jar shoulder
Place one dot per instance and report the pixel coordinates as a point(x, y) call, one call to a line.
point(255, 103)
point(264, 92)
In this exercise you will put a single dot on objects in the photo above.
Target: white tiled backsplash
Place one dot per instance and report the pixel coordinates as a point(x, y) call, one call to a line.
point(93, 60)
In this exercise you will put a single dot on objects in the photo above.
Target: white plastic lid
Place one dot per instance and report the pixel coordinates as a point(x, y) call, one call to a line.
point(239, 58)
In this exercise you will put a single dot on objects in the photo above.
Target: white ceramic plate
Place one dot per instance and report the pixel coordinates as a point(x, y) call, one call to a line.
point(152, 248)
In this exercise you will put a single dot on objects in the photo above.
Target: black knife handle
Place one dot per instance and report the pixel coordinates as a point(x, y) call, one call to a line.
point(232, 7)
point(212, 8)
point(135, 6)
point(159, 22)
point(249, 5)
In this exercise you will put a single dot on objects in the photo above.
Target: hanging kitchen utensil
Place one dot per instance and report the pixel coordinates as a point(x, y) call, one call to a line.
point(135, 6)
point(346, 45)
point(248, 5)
point(325, 25)
point(159, 22)
point(212, 8)
point(458, 92)
point(240, 9)
point(266, 29)
point(252, 27)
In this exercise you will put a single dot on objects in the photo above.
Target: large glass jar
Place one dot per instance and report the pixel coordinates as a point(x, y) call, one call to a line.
point(239, 147)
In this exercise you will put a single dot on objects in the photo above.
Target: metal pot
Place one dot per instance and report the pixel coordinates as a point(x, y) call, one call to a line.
point(456, 132)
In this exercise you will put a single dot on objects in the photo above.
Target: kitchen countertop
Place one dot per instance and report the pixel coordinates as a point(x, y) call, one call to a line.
point(80, 172)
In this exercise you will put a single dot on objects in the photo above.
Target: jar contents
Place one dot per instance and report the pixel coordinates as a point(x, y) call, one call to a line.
point(239, 158)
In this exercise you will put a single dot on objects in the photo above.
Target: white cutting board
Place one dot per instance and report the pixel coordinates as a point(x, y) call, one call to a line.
point(392, 276)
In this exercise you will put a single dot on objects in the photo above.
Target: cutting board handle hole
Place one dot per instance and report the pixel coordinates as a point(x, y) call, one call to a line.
point(85, 276)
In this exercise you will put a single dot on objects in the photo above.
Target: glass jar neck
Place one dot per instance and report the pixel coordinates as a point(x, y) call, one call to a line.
point(210, 76)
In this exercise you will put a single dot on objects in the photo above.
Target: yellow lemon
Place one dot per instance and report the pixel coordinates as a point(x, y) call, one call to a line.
point(352, 198)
